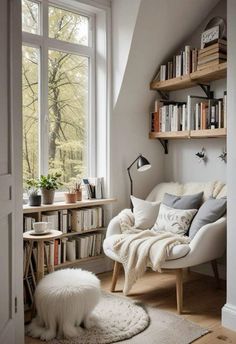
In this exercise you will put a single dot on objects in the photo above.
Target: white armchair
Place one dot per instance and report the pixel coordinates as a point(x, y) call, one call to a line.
point(207, 245)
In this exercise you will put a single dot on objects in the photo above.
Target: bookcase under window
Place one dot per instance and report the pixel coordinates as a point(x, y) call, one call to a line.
point(83, 227)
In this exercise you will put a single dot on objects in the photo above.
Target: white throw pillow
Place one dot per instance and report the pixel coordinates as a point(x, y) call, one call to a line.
point(145, 213)
point(174, 220)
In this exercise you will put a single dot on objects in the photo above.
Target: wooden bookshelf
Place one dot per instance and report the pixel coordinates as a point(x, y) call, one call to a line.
point(77, 261)
point(62, 205)
point(208, 133)
point(199, 77)
point(189, 134)
point(170, 135)
point(38, 259)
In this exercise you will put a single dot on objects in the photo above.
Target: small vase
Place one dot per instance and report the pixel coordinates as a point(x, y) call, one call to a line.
point(35, 200)
point(48, 196)
point(70, 197)
point(79, 195)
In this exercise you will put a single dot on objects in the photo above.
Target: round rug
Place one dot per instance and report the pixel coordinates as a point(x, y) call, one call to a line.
point(118, 319)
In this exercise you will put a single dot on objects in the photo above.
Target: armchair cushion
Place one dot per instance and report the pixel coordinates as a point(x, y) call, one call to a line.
point(210, 211)
point(145, 213)
point(183, 202)
point(174, 220)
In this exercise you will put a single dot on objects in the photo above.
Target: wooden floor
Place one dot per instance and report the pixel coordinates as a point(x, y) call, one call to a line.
point(202, 301)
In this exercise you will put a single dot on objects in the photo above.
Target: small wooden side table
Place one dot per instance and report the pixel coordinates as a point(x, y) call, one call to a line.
point(40, 239)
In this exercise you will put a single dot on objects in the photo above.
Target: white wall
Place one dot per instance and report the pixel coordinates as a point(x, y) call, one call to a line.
point(181, 163)
point(124, 16)
point(153, 40)
point(229, 310)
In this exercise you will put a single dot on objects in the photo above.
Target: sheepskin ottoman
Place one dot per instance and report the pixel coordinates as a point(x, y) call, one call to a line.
point(64, 299)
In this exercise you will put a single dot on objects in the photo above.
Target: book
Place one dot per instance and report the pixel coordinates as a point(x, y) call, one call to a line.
point(210, 64)
point(71, 250)
point(212, 57)
point(216, 47)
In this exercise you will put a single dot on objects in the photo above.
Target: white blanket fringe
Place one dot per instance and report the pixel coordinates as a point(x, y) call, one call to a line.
point(134, 247)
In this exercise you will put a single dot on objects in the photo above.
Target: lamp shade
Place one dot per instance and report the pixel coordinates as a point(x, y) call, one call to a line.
point(143, 164)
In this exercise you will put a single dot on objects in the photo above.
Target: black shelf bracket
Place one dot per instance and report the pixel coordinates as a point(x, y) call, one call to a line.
point(164, 144)
point(163, 95)
point(207, 90)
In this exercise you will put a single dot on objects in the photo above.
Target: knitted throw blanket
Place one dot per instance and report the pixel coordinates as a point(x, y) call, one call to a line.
point(134, 251)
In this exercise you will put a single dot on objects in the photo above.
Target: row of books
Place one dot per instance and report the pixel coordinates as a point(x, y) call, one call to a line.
point(198, 113)
point(93, 188)
point(181, 64)
point(67, 220)
point(62, 250)
point(212, 55)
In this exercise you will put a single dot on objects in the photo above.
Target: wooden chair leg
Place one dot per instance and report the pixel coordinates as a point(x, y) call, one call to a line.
point(216, 273)
point(179, 290)
point(115, 275)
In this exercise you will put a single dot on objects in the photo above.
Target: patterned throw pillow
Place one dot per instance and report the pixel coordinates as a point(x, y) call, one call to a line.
point(174, 220)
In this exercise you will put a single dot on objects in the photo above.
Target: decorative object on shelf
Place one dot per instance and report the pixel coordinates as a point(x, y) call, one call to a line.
point(71, 194)
point(215, 30)
point(142, 165)
point(32, 187)
point(223, 156)
point(48, 184)
point(202, 155)
point(78, 190)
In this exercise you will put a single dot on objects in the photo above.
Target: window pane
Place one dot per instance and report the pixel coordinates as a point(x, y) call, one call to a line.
point(68, 113)
point(68, 26)
point(30, 16)
point(30, 59)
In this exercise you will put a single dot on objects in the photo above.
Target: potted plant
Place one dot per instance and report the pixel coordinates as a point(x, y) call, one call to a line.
point(32, 186)
point(71, 194)
point(48, 184)
point(78, 190)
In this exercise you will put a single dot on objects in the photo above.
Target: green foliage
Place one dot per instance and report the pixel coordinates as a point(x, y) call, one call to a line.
point(32, 186)
point(68, 76)
point(50, 181)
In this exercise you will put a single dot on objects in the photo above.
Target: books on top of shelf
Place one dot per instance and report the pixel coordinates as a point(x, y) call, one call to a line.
point(93, 187)
point(212, 55)
point(183, 63)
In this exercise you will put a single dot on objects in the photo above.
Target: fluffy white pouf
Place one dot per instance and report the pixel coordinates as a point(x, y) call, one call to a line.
point(64, 299)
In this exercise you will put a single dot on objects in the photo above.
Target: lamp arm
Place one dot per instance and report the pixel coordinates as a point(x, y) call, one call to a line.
point(128, 168)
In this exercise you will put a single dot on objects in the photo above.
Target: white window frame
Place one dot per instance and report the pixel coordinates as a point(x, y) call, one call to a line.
point(44, 44)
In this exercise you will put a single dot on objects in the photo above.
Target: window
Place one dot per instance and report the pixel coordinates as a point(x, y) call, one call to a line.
point(58, 92)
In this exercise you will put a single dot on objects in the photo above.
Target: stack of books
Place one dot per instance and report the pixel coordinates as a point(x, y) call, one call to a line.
point(86, 219)
point(212, 55)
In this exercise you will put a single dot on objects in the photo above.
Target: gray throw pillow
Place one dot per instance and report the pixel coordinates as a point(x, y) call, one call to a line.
point(210, 211)
point(183, 202)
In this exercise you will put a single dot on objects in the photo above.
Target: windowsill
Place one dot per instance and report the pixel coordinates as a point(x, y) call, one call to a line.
point(62, 205)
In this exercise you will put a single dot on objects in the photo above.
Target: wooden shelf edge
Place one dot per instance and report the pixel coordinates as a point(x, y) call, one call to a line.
point(94, 230)
point(82, 260)
point(186, 81)
point(170, 135)
point(210, 74)
point(181, 82)
point(207, 133)
point(62, 205)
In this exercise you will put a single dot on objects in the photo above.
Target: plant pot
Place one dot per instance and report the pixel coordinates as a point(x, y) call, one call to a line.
point(70, 197)
point(79, 195)
point(35, 200)
point(48, 196)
